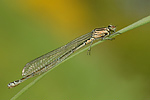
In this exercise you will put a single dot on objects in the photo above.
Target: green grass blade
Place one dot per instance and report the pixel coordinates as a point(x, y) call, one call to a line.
point(130, 27)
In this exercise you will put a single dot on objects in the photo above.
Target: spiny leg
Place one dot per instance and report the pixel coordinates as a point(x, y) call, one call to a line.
point(89, 50)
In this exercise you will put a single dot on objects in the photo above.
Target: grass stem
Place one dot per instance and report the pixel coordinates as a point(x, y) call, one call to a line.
point(130, 27)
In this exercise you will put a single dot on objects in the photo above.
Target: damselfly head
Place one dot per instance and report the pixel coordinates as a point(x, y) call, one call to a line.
point(112, 28)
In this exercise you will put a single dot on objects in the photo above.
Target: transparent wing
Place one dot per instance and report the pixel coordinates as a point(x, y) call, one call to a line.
point(49, 60)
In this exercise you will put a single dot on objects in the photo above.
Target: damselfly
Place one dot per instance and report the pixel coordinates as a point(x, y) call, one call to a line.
point(51, 59)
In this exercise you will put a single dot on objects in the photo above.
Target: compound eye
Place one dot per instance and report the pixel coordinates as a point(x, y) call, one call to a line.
point(112, 28)
point(109, 26)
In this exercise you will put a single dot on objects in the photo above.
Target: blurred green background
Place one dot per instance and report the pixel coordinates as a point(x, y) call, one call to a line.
point(115, 70)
